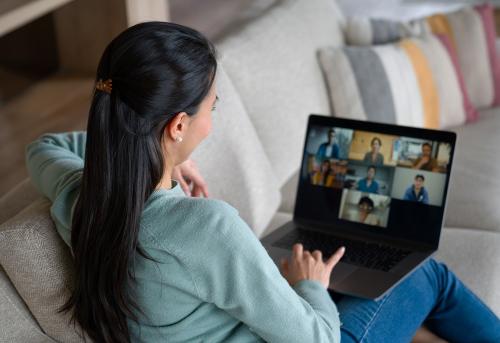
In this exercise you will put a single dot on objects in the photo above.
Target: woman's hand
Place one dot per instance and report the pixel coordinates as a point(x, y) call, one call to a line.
point(188, 175)
point(304, 265)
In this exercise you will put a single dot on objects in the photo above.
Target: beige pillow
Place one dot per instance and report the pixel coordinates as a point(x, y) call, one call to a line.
point(38, 263)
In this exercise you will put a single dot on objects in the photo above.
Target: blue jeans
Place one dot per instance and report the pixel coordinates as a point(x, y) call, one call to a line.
point(433, 295)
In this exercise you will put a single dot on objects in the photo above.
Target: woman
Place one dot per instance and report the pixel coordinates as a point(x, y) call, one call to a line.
point(324, 176)
point(374, 156)
point(153, 265)
point(364, 214)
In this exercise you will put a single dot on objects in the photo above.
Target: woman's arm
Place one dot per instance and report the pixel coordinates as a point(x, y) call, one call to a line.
point(234, 271)
point(55, 161)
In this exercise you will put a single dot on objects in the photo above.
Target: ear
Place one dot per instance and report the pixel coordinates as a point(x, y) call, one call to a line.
point(177, 127)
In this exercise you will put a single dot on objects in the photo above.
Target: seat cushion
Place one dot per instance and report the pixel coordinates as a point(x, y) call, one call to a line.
point(38, 263)
point(473, 256)
point(272, 63)
point(474, 192)
point(17, 325)
point(234, 163)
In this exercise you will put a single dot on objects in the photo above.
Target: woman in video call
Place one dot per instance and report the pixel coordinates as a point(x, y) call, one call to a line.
point(374, 156)
point(154, 265)
point(426, 161)
point(323, 176)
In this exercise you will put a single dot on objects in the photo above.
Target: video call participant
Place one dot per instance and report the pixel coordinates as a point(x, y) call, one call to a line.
point(368, 184)
point(374, 156)
point(328, 149)
point(417, 191)
point(364, 213)
point(425, 161)
point(323, 177)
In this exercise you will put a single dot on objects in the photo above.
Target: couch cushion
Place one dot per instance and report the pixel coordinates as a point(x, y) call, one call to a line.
point(16, 322)
point(234, 163)
point(272, 63)
point(473, 256)
point(474, 192)
point(38, 263)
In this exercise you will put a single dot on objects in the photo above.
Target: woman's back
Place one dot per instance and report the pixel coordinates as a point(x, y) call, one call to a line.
point(209, 278)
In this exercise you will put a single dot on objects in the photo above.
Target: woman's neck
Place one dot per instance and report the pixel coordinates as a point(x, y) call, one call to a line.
point(166, 179)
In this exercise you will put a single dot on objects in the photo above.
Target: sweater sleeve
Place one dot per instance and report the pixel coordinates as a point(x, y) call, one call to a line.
point(55, 160)
point(55, 165)
point(237, 275)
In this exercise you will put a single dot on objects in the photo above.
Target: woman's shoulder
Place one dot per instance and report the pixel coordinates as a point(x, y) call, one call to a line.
point(173, 221)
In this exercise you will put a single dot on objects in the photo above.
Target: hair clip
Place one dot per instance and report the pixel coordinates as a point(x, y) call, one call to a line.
point(104, 86)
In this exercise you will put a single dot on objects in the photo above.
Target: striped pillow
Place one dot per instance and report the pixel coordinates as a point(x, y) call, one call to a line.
point(472, 33)
point(412, 82)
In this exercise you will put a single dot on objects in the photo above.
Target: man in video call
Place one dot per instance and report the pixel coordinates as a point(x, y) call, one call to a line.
point(328, 149)
point(368, 184)
point(425, 161)
point(417, 191)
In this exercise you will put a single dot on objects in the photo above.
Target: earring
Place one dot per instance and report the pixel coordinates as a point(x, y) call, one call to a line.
point(178, 139)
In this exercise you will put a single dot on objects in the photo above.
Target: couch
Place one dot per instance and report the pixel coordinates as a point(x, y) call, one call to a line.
point(268, 84)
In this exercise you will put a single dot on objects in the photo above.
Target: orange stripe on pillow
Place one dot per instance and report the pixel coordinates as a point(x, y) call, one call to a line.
point(439, 24)
point(428, 89)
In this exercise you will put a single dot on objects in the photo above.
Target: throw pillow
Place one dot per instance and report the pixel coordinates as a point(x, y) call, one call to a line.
point(412, 82)
point(471, 31)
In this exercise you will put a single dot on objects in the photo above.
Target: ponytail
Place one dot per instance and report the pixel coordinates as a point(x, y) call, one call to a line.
point(153, 78)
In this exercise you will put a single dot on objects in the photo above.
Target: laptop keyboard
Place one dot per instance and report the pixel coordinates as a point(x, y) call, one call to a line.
point(369, 255)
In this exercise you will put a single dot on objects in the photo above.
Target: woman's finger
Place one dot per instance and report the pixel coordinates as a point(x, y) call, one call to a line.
point(318, 256)
point(184, 186)
point(177, 175)
point(298, 250)
point(197, 192)
point(335, 258)
point(198, 180)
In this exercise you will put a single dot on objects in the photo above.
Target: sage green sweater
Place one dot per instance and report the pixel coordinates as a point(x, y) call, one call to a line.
point(213, 280)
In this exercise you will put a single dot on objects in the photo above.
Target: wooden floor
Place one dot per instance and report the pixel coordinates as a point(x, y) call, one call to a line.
point(61, 102)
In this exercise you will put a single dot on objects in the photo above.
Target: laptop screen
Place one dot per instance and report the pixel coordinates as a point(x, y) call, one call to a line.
point(383, 179)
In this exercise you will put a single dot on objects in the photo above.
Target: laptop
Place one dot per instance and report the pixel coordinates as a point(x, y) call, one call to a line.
point(377, 189)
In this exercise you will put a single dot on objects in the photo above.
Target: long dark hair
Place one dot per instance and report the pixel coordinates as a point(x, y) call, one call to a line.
point(157, 69)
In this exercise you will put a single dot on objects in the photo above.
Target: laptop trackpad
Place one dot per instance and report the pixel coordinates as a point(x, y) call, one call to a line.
point(341, 271)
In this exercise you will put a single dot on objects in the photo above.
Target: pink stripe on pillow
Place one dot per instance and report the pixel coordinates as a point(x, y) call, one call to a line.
point(486, 13)
point(470, 110)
